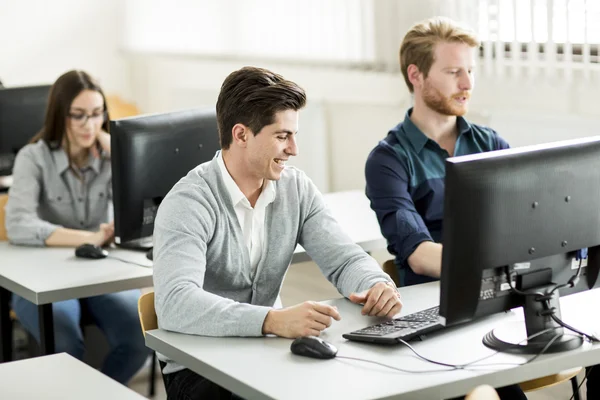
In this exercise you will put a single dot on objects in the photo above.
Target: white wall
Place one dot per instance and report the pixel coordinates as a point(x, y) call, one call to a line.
point(356, 109)
point(348, 111)
point(40, 40)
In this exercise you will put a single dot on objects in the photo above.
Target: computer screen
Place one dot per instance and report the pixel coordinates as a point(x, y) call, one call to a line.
point(22, 113)
point(149, 154)
point(515, 224)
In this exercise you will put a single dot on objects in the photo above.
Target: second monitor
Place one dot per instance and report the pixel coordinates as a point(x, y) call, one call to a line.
point(22, 113)
point(515, 224)
point(149, 155)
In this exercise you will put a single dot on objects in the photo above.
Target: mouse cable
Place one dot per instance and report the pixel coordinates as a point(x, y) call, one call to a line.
point(395, 368)
point(128, 262)
point(471, 364)
point(453, 367)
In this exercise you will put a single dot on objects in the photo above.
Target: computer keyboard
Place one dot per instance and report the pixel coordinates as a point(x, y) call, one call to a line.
point(405, 328)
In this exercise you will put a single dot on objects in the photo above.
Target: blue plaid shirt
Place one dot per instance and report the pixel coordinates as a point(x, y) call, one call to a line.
point(405, 184)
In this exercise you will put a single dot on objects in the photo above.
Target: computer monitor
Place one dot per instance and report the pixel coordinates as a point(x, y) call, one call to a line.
point(149, 154)
point(524, 213)
point(22, 113)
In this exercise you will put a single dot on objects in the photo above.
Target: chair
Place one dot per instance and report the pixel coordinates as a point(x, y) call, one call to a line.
point(148, 321)
point(389, 267)
point(118, 108)
point(555, 379)
point(3, 200)
point(147, 313)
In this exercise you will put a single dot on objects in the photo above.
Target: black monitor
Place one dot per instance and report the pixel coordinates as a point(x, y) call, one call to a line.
point(515, 222)
point(22, 113)
point(149, 154)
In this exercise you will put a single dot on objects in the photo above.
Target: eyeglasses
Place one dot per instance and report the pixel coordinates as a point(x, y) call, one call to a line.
point(82, 119)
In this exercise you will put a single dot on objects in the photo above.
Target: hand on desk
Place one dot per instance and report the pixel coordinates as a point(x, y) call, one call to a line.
point(306, 319)
point(382, 300)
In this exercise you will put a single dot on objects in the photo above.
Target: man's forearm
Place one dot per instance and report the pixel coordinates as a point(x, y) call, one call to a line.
point(427, 259)
point(71, 238)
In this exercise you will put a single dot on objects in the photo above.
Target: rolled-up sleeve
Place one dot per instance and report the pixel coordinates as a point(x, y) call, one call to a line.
point(23, 226)
point(499, 143)
point(388, 190)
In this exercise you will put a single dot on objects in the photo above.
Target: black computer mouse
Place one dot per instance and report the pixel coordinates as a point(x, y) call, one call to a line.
point(92, 251)
point(312, 346)
point(149, 255)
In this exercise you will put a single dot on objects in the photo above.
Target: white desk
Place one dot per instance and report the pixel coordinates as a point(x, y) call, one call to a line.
point(47, 275)
point(58, 376)
point(264, 368)
point(353, 212)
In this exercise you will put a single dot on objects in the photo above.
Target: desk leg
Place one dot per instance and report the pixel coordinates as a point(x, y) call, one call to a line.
point(46, 329)
point(6, 331)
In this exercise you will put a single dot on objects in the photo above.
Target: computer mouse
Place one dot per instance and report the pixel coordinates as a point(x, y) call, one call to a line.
point(149, 255)
point(92, 251)
point(312, 346)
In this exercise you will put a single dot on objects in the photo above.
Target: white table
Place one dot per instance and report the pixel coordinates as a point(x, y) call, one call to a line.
point(264, 368)
point(47, 275)
point(58, 376)
point(353, 212)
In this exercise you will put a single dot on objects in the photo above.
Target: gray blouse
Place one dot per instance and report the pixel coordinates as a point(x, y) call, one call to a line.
point(46, 194)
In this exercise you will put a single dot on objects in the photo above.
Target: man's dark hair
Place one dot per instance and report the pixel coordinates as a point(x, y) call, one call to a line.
point(252, 96)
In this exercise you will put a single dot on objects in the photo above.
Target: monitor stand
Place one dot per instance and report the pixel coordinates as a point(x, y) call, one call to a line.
point(511, 338)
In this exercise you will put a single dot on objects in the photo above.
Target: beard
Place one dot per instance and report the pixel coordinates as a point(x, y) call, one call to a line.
point(441, 104)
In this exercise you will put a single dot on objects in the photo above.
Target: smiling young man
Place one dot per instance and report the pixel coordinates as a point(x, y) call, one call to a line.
point(225, 234)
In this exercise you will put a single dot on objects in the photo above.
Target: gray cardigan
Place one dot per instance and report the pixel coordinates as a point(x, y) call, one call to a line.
point(202, 277)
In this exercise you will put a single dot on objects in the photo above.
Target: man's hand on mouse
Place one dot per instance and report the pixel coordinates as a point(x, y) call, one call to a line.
point(382, 300)
point(105, 234)
point(305, 319)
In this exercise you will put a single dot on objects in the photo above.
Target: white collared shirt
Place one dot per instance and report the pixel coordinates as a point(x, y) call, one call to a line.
point(252, 220)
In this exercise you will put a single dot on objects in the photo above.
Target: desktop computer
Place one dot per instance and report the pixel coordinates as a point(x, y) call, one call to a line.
point(22, 113)
point(517, 226)
point(149, 154)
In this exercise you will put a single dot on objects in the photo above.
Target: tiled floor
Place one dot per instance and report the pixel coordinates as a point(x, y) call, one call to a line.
point(305, 282)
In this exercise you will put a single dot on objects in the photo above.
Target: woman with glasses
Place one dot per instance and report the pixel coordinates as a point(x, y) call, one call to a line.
point(61, 196)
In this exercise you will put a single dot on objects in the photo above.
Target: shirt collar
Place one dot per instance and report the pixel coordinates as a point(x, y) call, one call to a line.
point(62, 161)
point(418, 139)
point(266, 197)
point(95, 162)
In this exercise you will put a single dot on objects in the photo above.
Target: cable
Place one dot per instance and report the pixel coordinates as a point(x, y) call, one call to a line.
point(522, 341)
point(588, 370)
point(569, 327)
point(454, 367)
point(572, 280)
point(544, 298)
point(514, 289)
point(395, 368)
point(464, 366)
point(128, 262)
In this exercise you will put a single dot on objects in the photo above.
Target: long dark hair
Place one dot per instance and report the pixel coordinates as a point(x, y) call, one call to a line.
point(62, 93)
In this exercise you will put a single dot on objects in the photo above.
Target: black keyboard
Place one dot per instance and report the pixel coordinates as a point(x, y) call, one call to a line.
point(405, 328)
